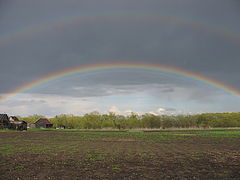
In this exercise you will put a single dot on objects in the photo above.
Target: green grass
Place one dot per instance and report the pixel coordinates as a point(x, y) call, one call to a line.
point(46, 142)
point(116, 168)
point(19, 167)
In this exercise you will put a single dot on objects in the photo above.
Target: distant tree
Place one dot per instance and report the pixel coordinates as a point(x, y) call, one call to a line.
point(95, 120)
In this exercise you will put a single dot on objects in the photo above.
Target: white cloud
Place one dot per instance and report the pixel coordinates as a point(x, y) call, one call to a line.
point(25, 104)
point(161, 110)
point(128, 112)
point(153, 113)
point(48, 105)
point(166, 111)
point(114, 109)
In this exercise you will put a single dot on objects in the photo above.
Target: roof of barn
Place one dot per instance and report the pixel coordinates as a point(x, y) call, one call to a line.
point(46, 121)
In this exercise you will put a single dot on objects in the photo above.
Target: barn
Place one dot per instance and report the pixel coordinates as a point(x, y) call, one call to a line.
point(43, 123)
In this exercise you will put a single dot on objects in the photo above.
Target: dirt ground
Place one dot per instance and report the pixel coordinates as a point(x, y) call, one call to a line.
point(124, 155)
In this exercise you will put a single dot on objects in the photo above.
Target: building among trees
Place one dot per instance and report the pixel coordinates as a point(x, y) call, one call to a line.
point(17, 124)
point(12, 122)
point(43, 123)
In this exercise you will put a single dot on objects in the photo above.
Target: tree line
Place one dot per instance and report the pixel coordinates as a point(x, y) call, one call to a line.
point(96, 120)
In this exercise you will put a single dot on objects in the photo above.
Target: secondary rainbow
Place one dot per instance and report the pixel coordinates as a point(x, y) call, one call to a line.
point(29, 31)
point(119, 66)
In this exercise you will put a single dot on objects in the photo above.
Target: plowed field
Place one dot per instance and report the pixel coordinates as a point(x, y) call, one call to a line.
point(175, 154)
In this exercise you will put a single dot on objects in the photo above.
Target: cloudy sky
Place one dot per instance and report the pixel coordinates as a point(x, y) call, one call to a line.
point(38, 38)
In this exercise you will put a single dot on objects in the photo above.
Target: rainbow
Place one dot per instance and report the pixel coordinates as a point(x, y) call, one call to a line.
point(119, 66)
point(31, 30)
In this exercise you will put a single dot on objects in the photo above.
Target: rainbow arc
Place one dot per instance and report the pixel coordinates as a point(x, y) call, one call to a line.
point(120, 66)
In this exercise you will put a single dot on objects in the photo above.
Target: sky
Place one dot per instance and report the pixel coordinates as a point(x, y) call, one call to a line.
point(39, 38)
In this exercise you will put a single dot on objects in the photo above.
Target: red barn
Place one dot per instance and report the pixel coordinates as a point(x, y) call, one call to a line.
point(43, 123)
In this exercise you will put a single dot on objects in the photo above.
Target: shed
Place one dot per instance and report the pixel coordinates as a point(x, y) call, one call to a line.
point(43, 123)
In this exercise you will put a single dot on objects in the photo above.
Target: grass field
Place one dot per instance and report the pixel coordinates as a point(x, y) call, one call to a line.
point(166, 154)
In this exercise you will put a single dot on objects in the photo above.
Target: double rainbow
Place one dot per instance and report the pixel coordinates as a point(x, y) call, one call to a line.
point(113, 17)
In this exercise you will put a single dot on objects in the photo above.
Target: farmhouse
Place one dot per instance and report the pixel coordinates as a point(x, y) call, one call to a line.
point(15, 123)
point(43, 123)
point(12, 122)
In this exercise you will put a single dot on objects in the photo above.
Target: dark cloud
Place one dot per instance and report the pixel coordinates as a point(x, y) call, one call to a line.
point(210, 48)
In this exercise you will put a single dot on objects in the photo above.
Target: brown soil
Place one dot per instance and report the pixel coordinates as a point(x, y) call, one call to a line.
point(61, 155)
